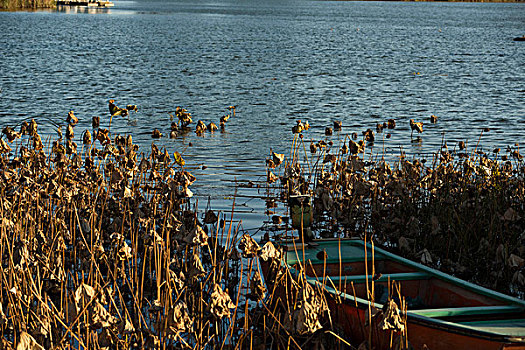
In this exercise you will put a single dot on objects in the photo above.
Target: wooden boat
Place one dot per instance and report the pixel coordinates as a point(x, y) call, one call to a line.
point(442, 312)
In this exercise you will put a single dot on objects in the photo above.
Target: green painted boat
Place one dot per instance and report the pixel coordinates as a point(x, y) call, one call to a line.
point(439, 311)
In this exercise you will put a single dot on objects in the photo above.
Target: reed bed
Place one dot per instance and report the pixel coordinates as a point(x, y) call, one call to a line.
point(460, 210)
point(103, 247)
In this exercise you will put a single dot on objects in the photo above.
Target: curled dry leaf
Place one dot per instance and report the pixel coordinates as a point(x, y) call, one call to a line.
point(83, 295)
point(511, 215)
point(426, 258)
point(27, 342)
point(179, 319)
point(268, 251)
point(195, 269)
point(271, 177)
point(124, 252)
point(403, 244)
point(177, 157)
point(515, 261)
point(435, 225)
point(248, 246)
point(277, 158)
point(71, 118)
point(501, 254)
point(197, 236)
point(306, 318)
point(126, 326)
point(257, 288)
point(392, 318)
point(210, 217)
point(4, 147)
point(100, 317)
point(221, 302)
point(212, 127)
point(518, 278)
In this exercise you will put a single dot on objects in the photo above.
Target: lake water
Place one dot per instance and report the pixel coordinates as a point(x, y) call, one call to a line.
point(277, 61)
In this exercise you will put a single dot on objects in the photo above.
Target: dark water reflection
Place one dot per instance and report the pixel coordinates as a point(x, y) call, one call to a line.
point(278, 61)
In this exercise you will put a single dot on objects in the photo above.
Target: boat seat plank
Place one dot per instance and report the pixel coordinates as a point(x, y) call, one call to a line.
point(513, 327)
point(343, 252)
point(465, 311)
point(403, 276)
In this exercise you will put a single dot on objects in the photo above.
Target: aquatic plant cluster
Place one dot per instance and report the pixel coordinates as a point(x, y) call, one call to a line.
point(461, 211)
point(102, 248)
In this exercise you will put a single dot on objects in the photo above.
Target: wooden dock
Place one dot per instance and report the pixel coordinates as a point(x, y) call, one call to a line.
point(90, 3)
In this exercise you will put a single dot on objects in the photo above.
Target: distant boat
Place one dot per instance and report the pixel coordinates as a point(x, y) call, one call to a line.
point(520, 38)
point(443, 312)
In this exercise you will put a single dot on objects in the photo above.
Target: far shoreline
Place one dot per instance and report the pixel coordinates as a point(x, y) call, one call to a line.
point(13, 5)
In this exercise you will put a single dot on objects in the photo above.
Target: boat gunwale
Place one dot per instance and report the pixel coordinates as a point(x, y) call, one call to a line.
point(432, 272)
point(412, 316)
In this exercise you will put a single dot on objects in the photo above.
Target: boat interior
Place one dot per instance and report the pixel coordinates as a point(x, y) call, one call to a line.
point(342, 266)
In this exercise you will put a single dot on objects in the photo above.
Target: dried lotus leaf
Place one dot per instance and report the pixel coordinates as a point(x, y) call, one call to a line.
point(178, 159)
point(27, 342)
point(272, 177)
point(221, 303)
point(248, 246)
point(124, 253)
point(392, 319)
point(277, 158)
point(197, 236)
point(268, 251)
point(515, 261)
point(210, 217)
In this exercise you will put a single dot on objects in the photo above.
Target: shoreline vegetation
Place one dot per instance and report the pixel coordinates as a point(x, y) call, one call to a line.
point(43, 4)
point(27, 4)
point(460, 211)
point(103, 247)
